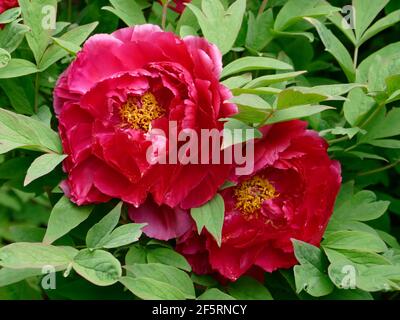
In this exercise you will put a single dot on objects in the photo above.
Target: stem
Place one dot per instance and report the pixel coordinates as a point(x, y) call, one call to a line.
point(164, 14)
point(389, 166)
point(352, 147)
point(69, 10)
point(36, 103)
point(262, 7)
point(355, 58)
point(338, 140)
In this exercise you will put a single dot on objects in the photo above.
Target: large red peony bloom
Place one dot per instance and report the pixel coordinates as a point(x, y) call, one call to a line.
point(290, 194)
point(119, 87)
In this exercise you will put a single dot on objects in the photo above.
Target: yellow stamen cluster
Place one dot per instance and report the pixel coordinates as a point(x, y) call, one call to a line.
point(139, 114)
point(251, 193)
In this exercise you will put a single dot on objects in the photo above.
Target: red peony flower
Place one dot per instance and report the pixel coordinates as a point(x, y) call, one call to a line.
point(290, 194)
point(120, 86)
point(177, 5)
point(7, 4)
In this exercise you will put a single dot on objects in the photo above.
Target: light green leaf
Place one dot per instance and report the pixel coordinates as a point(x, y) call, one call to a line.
point(254, 63)
point(39, 16)
point(12, 35)
point(251, 100)
point(354, 240)
point(382, 24)
point(294, 10)
point(26, 255)
point(64, 217)
point(310, 275)
point(259, 30)
point(247, 288)
point(292, 97)
point(5, 58)
point(123, 235)
point(42, 166)
point(211, 217)
point(238, 81)
point(150, 289)
point(67, 45)
point(295, 113)
point(336, 48)
point(103, 228)
point(357, 106)
point(169, 257)
point(76, 36)
point(128, 11)
point(214, 21)
point(18, 131)
point(99, 267)
point(215, 294)
point(10, 15)
point(166, 274)
point(366, 14)
point(17, 68)
point(273, 78)
point(385, 143)
point(10, 276)
point(136, 254)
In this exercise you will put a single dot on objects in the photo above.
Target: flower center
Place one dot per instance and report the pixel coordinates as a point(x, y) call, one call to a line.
point(251, 193)
point(139, 114)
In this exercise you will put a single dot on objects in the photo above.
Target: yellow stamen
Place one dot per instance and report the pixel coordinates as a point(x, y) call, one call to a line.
point(251, 193)
point(139, 114)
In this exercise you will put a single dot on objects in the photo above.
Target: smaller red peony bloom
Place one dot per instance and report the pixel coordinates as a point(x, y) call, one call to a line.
point(5, 5)
point(290, 194)
point(177, 5)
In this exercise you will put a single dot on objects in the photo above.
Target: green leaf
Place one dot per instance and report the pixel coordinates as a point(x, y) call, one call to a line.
point(361, 206)
point(169, 257)
point(10, 276)
point(273, 78)
point(67, 45)
point(310, 275)
point(295, 113)
point(5, 58)
point(247, 288)
point(24, 255)
point(150, 289)
point(64, 217)
point(293, 97)
point(294, 10)
point(103, 228)
point(10, 15)
point(354, 240)
point(331, 89)
point(337, 19)
point(136, 254)
point(18, 131)
point(238, 81)
point(123, 235)
point(165, 274)
point(76, 36)
point(254, 63)
point(38, 16)
point(12, 35)
point(382, 126)
point(382, 24)
point(215, 294)
point(259, 30)
point(211, 217)
point(128, 11)
point(17, 92)
point(98, 267)
point(366, 14)
point(336, 48)
point(42, 166)
point(214, 21)
point(251, 100)
point(357, 106)
point(17, 68)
